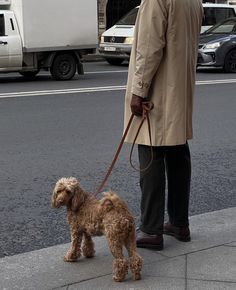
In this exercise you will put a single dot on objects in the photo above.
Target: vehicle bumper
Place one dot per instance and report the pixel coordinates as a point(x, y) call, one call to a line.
point(209, 58)
point(115, 51)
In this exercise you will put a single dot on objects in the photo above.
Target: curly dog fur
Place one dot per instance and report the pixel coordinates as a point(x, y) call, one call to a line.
point(89, 217)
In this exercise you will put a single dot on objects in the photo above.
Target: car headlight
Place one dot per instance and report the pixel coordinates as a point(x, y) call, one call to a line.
point(212, 45)
point(128, 40)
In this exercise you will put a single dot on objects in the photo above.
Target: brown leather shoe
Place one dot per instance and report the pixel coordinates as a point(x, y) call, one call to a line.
point(180, 233)
point(144, 240)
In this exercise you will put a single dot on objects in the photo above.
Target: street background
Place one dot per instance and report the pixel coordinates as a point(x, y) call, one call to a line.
point(52, 129)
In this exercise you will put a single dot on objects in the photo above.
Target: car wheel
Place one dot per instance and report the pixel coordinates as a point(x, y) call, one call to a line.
point(230, 62)
point(115, 61)
point(63, 67)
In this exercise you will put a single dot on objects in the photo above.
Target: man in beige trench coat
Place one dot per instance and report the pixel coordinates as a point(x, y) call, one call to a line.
point(162, 69)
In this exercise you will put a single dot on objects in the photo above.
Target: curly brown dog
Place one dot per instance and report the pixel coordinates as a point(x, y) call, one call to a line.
point(89, 217)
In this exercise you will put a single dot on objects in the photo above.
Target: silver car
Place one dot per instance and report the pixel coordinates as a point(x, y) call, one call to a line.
point(217, 46)
point(116, 42)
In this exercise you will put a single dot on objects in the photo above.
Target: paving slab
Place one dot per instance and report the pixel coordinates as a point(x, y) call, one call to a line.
point(213, 264)
point(150, 256)
point(45, 269)
point(207, 262)
point(207, 230)
point(149, 283)
point(171, 268)
point(209, 285)
point(231, 244)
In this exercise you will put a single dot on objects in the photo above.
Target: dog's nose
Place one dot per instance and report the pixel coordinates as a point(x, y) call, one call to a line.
point(59, 202)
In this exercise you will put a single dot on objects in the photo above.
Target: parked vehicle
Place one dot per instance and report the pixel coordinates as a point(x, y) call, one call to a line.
point(47, 34)
point(116, 42)
point(217, 46)
point(215, 13)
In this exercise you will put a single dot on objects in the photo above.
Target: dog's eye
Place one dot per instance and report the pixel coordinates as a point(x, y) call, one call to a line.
point(68, 192)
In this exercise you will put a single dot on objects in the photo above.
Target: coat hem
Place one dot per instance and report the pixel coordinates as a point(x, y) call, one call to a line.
point(161, 143)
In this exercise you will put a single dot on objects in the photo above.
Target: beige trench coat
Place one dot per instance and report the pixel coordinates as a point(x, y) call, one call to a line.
point(162, 69)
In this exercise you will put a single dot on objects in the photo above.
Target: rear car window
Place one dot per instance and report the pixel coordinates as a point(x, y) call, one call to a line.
point(213, 15)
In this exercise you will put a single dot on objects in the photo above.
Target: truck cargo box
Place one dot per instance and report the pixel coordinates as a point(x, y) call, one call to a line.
point(53, 24)
point(5, 2)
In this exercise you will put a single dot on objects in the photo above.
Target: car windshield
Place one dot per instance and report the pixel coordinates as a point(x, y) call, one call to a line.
point(227, 27)
point(130, 18)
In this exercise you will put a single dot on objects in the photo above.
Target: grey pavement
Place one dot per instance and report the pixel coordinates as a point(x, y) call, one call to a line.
point(208, 262)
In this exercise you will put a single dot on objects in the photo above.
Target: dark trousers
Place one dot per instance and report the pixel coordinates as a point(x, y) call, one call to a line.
point(171, 163)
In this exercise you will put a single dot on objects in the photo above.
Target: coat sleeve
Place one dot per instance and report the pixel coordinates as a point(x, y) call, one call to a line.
point(150, 40)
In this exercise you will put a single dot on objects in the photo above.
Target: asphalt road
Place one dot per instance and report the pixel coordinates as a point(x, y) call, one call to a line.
point(51, 129)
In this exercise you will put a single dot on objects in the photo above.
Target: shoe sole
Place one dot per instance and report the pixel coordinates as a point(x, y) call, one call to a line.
point(179, 238)
point(152, 247)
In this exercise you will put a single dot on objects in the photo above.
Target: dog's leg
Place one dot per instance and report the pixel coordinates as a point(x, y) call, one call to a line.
point(88, 246)
point(135, 260)
point(74, 251)
point(120, 264)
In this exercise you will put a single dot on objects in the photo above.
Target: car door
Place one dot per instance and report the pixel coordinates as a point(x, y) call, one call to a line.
point(10, 43)
point(14, 42)
point(4, 48)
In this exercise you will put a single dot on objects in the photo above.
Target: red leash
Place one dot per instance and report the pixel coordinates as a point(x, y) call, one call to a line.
point(147, 107)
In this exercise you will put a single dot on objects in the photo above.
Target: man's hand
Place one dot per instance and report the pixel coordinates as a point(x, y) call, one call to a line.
point(136, 105)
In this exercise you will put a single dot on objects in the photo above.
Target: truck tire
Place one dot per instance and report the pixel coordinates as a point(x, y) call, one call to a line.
point(230, 62)
point(115, 61)
point(29, 74)
point(63, 67)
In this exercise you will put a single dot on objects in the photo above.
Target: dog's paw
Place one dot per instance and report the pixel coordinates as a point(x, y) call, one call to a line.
point(70, 257)
point(118, 279)
point(66, 259)
point(136, 276)
point(88, 252)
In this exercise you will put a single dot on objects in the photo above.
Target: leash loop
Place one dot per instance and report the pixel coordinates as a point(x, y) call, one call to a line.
point(147, 107)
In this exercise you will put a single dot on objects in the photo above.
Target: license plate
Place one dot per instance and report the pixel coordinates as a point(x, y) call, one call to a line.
point(108, 48)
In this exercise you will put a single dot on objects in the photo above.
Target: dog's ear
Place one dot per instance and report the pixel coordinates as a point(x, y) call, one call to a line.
point(77, 200)
point(53, 199)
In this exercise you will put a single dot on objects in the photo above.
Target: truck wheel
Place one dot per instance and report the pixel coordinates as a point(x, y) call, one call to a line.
point(29, 74)
point(63, 67)
point(115, 61)
point(230, 62)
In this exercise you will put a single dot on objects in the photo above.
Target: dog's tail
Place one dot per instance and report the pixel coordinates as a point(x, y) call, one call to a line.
point(111, 200)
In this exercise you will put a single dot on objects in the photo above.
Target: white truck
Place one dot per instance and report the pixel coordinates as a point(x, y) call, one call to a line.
point(49, 35)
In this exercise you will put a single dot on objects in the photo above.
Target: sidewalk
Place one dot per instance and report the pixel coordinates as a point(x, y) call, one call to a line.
point(208, 262)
